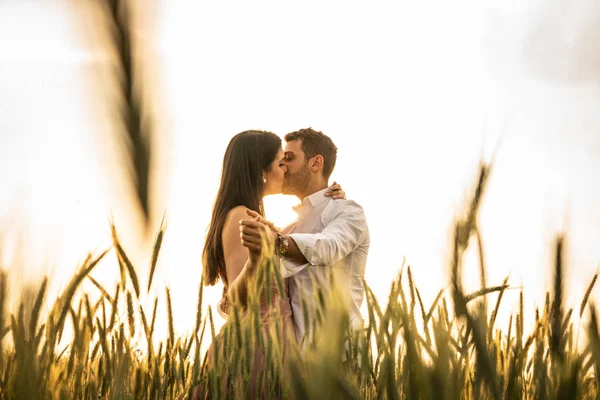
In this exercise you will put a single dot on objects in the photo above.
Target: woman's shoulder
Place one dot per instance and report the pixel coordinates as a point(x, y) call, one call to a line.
point(234, 216)
point(231, 229)
point(237, 212)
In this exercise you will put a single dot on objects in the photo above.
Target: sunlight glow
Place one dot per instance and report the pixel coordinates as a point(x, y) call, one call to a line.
point(412, 94)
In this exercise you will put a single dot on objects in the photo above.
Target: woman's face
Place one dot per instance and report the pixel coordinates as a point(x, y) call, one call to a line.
point(275, 176)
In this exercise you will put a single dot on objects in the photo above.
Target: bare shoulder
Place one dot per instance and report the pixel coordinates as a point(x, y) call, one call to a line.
point(236, 213)
point(234, 252)
point(233, 217)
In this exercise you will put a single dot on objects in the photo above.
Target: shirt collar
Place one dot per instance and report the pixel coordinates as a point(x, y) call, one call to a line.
point(311, 201)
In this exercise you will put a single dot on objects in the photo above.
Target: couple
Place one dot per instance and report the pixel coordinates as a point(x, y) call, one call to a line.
point(330, 233)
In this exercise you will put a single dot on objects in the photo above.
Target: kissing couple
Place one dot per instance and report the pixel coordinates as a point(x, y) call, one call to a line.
point(330, 234)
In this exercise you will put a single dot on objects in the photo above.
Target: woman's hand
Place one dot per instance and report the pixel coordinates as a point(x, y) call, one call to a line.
point(255, 235)
point(262, 219)
point(336, 192)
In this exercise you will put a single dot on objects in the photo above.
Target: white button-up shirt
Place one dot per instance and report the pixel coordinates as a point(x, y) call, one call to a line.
point(334, 237)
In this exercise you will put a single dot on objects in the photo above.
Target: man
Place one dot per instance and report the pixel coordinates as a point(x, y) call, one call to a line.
point(329, 236)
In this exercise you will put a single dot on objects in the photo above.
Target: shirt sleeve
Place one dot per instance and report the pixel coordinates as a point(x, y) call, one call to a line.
point(289, 267)
point(340, 237)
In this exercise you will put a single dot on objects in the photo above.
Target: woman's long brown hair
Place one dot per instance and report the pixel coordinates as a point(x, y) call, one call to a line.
point(247, 155)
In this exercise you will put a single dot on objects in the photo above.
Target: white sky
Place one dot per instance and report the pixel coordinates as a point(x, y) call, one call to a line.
point(412, 94)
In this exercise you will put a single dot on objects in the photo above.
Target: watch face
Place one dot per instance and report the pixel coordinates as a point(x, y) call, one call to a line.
point(282, 247)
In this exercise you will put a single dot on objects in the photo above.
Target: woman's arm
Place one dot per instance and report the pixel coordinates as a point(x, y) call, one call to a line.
point(240, 267)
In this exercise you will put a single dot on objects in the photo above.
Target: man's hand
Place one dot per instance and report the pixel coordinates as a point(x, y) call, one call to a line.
point(250, 234)
point(253, 234)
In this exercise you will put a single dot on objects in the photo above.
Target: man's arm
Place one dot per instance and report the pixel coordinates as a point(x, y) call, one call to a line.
point(339, 238)
point(294, 253)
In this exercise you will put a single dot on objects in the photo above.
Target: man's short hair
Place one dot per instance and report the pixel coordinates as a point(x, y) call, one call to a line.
point(315, 143)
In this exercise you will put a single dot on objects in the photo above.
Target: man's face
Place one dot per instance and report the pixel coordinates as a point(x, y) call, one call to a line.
point(297, 176)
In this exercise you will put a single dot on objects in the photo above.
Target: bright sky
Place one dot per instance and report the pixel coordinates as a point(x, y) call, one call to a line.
point(413, 94)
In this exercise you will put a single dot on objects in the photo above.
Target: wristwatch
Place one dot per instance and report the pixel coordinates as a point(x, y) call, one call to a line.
point(282, 245)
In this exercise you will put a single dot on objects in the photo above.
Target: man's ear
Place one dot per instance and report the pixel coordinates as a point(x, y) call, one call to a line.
point(316, 163)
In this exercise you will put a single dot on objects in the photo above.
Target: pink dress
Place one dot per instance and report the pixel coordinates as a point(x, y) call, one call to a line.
point(278, 307)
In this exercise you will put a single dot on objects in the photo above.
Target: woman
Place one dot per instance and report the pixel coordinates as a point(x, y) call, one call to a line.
point(252, 169)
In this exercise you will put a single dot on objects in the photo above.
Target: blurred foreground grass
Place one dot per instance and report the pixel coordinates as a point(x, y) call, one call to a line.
point(450, 349)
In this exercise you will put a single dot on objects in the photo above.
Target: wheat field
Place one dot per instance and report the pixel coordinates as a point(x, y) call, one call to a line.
point(450, 349)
